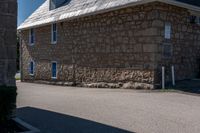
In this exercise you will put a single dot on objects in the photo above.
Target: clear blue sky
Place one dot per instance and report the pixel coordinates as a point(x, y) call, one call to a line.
point(26, 8)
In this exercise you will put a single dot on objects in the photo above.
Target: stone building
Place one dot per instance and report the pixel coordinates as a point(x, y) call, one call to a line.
point(114, 42)
point(8, 27)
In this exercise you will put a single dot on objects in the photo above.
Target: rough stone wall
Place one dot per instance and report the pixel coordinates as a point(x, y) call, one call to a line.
point(185, 41)
point(8, 26)
point(118, 46)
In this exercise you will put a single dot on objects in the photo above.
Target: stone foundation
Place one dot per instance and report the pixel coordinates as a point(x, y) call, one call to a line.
point(90, 77)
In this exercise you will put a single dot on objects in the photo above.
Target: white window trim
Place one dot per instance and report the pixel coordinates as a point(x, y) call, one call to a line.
point(31, 44)
point(56, 69)
point(54, 42)
point(32, 74)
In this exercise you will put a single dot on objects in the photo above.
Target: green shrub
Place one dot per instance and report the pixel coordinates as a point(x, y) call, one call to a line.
point(7, 102)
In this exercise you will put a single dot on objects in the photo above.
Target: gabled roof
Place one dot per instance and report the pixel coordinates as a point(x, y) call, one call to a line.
point(78, 8)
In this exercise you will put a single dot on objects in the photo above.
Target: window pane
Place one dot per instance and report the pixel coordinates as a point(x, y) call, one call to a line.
point(54, 27)
point(32, 39)
point(32, 36)
point(167, 31)
point(54, 36)
point(54, 33)
point(31, 68)
point(54, 70)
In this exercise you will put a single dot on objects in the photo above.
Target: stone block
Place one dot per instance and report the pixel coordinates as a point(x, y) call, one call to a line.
point(158, 23)
point(152, 48)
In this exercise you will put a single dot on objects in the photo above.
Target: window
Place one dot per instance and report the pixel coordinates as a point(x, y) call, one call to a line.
point(167, 50)
point(31, 37)
point(57, 3)
point(167, 31)
point(198, 20)
point(54, 70)
point(194, 19)
point(53, 33)
point(32, 68)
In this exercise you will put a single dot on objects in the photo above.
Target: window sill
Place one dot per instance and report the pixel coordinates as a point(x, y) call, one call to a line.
point(31, 74)
point(53, 43)
point(31, 44)
point(54, 78)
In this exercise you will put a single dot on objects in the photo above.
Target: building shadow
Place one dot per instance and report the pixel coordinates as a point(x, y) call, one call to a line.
point(191, 86)
point(52, 122)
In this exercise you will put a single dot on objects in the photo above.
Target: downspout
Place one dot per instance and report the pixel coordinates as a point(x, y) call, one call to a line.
point(163, 77)
point(173, 76)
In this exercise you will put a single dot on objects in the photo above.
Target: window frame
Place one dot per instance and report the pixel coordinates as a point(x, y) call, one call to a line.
point(52, 33)
point(31, 36)
point(30, 67)
point(52, 70)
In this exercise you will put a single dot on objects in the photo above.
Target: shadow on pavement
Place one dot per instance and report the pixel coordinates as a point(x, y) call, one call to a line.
point(191, 86)
point(52, 122)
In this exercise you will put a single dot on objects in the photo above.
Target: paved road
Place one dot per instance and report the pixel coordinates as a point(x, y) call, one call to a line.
point(56, 109)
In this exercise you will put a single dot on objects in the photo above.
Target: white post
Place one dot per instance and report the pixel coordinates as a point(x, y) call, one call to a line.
point(163, 77)
point(173, 76)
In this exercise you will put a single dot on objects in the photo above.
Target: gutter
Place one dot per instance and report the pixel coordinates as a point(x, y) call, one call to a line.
point(140, 2)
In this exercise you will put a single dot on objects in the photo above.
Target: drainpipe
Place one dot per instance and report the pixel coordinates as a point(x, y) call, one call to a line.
point(163, 77)
point(173, 76)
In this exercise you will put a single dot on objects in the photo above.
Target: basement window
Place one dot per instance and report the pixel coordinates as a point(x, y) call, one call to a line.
point(54, 33)
point(32, 68)
point(31, 37)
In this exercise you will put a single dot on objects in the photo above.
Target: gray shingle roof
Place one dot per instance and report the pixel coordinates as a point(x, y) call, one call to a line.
point(75, 8)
